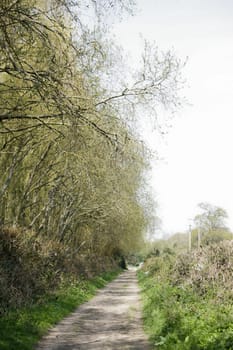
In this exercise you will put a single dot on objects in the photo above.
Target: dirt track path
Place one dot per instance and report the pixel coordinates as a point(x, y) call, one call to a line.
point(111, 320)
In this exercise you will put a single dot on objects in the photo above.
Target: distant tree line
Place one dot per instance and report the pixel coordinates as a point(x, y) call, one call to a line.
point(209, 227)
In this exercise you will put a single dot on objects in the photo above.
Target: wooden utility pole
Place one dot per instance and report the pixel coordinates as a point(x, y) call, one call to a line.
point(189, 239)
point(198, 238)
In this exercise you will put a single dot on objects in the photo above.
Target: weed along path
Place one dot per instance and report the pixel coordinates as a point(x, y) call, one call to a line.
point(111, 320)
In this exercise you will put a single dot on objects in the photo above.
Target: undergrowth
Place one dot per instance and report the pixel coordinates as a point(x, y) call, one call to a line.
point(31, 266)
point(22, 328)
point(188, 300)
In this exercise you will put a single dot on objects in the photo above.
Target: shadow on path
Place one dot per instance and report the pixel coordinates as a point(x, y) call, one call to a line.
point(111, 320)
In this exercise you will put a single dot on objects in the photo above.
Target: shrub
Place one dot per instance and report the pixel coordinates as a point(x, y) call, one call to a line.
point(188, 303)
point(32, 266)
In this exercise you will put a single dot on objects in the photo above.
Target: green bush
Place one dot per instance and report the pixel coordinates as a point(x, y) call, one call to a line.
point(183, 314)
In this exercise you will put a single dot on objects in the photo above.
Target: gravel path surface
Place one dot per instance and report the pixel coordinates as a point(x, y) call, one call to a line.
point(111, 320)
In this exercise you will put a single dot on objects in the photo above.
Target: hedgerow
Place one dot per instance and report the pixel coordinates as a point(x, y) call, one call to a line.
point(188, 299)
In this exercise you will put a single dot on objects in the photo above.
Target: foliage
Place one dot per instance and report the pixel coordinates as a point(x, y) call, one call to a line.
point(66, 156)
point(178, 243)
point(211, 218)
point(30, 267)
point(188, 300)
point(23, 328)
point(73, 199)
point(71, 164)
point(208, 269)
point(214, 236)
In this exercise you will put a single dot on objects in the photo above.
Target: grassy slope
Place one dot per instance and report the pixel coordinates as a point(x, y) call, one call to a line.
point(23, 328)
point(177, 317)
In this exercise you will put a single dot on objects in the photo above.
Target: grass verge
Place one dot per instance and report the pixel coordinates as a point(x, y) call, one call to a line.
point(177, 318)
point(21, 329)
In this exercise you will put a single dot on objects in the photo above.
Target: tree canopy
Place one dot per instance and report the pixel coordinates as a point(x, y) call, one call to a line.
point(71, 164)
point(211, 218)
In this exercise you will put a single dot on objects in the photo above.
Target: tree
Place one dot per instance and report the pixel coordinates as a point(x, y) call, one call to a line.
point(211, 224)
point(211, 218)
point(71, 164)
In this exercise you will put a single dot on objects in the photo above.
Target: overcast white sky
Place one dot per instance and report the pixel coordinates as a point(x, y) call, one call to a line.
point(198, 150)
